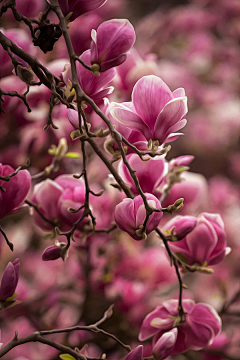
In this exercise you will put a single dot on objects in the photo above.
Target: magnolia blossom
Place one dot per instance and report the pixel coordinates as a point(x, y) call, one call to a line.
point(9, 280)
point(202, 241)
point(78, 7)
point(200, 326)
point(155, 110)
point(150, 173)
point(131, 213)
point(111, 42)
point(16, 190)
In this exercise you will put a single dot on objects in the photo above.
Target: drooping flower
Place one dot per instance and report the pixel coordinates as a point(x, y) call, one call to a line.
point(9, 280)
point(131, 213)
point(111, 42)
point(199, 328)
point(155, 110)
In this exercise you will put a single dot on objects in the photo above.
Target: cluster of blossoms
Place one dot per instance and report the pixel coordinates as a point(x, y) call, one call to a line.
point(124, 112)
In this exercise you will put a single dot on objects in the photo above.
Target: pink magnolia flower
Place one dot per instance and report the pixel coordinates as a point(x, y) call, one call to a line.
point(165, 344)
point(93, 86)
point(205, 244)
point(9, 280)
point(131, 213)
point(150, 173)
point(155, 110)
point(111, 42)
point(16, 190)
point(200, 326)
point(78, 7)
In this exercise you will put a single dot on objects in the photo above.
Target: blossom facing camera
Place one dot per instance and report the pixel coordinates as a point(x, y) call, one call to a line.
point(205, 244)
point(16, 190)
point(131, 213)
point(9, 280)
point(200, 326)
point(155, 110)
point(111, 42)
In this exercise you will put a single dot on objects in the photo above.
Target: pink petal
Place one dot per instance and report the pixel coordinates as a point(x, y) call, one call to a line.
point(122, 114)
point(201, 241)
point(171, 114)
point(150, 94)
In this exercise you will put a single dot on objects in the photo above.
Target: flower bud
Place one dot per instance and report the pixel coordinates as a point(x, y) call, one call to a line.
point(111, 42)
point(56, 251)
point(9, 280)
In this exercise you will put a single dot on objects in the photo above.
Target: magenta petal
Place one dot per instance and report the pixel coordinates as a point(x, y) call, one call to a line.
point(123, 115)
point(147, 330)
point(135, 354)
point(105, 65)
point(179, 93)
point(172, 113)
point(172, 137)
point(202, 241)
point(52, 252)
point(150, 94)
point(81, 7)
point(90, 83)
point(124, 216)
point(16, 192)
point(73, 118)
point(165, 344)
point(179, 125)
point(9, 280)
point(114, 38)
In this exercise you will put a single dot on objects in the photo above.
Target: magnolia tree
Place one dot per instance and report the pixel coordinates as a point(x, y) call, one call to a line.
point(86, 124)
